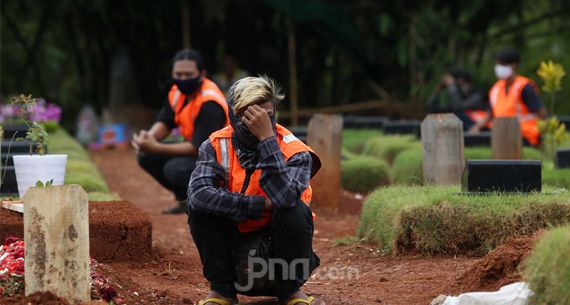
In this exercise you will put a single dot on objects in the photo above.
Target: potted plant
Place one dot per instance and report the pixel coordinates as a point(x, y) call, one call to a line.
point(34, 169)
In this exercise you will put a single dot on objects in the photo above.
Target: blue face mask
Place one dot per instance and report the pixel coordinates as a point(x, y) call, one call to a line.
point(188, 86)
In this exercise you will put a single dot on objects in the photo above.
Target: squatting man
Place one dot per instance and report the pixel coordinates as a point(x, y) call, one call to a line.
point(248, 202)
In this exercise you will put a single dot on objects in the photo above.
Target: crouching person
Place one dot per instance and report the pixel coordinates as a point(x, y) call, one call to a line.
point(249, 200)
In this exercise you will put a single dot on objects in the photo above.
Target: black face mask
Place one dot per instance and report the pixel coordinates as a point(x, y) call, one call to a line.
point(244, 142)
point(188, 86)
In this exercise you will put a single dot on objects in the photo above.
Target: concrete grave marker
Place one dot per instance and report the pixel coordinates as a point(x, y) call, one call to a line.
point(506, 139)
point(56, 235)
point(325, 138)
point(442, 139)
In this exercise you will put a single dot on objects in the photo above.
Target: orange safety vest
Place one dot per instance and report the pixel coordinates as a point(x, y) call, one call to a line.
point(227, 158)
point(477, 116)
point(510, 104)
point(185, 115)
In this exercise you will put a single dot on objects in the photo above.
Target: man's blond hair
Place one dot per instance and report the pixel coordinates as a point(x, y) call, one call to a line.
point(254, 90)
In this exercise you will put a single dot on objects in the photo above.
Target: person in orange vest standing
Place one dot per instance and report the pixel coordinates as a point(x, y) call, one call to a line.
point(197, 107)
point(248, 202)
point(514, 96)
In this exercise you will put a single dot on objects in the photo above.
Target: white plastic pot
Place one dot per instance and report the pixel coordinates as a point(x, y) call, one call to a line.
point(31, 169)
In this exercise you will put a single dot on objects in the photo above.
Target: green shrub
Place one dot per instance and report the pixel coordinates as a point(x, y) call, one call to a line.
point(407, 167)
point(354, 140)
point(548, 269)
point(388, 147)
point(437, 219)
point(363, 174)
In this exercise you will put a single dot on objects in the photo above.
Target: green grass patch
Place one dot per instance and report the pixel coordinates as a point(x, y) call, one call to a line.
point(556, 177)
point(437, 219)
point(408, 167)
point(470, 153)
point(548, 269)
point(98, 196)
point(346, 241)
point(388, 147)
point(79, 168)
point(363, 174)
point(354, 140)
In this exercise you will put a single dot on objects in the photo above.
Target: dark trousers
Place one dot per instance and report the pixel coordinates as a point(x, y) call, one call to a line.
point(291, 235)
point(173, 172)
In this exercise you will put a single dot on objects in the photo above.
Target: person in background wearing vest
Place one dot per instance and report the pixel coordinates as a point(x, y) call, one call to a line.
point(195, 106)
point(250, 193)
point(464, 100)
point(514, 96)
point(230, 74)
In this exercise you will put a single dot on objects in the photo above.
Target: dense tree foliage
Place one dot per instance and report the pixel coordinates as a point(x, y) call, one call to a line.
point(347, 51)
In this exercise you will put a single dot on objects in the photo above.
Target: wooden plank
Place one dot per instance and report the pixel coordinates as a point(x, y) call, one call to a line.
point(56, 234)
point(292, 46)
point(309, 112)
point(325, 138)
point(16, 206)
point(506, 139)
point(442, 139)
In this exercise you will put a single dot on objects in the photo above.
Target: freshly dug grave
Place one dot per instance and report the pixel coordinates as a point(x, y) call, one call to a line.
point(500, 267)
point(118, 231)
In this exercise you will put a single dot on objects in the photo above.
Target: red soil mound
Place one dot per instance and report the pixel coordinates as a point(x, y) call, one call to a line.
point(43, 298)
point(499, 267)
point(118, 231)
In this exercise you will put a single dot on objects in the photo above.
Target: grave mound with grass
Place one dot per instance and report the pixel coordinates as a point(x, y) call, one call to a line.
point(548, 269)
point(388, 147)
point(353, 140)
point(407, 167)
point(362, 174)
point(440, 220)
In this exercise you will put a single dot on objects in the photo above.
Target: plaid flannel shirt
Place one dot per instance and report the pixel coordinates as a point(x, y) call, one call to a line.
point(282, 181)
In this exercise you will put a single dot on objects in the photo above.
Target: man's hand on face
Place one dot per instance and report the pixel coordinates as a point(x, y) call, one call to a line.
point(258, 121)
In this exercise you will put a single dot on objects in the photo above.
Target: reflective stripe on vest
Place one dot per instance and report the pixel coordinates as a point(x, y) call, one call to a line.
point(186, 114)
point(225, 162)
point(226, 157)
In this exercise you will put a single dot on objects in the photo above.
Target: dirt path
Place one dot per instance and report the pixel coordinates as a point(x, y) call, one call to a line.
point(352, 274)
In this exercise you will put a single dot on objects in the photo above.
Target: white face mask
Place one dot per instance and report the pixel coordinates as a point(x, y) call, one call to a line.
point(503, 72)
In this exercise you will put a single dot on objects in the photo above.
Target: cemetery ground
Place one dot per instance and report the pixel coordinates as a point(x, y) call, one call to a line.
point(175, 275)
point(407, 245)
